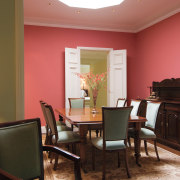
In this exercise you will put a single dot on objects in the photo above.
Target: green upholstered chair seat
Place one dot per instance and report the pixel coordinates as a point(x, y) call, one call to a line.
point(60, 128)
point(60, 123)
point(146, 133)
point(66, 137)
point(63, 128)
point(110, 145)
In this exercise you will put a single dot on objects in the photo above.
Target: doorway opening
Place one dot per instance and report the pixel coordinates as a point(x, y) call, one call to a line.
point(115, 65)
point(94, 61)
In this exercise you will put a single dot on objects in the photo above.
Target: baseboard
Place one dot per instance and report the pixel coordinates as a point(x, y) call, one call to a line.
point(43, 129)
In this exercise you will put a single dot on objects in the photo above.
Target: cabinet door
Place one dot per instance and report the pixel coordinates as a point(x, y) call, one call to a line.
point(172, 126)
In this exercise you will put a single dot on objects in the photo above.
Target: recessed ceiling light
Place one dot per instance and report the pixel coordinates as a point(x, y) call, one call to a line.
point(91, 4)
point(78, 12)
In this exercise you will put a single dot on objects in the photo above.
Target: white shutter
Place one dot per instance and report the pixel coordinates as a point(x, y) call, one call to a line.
point(117, 76)
point(72, 81)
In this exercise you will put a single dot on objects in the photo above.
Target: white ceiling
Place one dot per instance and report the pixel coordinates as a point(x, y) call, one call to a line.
point(130, 16)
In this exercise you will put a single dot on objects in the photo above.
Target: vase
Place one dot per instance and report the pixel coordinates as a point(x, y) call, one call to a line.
point(95, 94)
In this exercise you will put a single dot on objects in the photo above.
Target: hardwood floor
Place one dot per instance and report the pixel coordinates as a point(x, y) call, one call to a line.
point(158, 144)
point(168, 149)
point(167, 168)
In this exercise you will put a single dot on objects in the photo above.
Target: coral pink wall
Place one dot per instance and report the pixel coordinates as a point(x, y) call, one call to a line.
point(44, 61)
point(153, 55)
point(158, 56)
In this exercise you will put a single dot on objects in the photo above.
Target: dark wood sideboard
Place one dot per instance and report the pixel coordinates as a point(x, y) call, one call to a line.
point(168, 123)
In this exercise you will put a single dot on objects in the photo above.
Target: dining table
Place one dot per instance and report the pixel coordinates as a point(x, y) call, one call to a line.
point(84, 118)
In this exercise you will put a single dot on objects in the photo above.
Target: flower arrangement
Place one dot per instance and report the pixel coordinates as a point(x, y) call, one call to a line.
point(95, 82)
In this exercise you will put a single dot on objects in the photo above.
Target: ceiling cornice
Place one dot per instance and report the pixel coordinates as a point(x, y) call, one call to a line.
point(158, 20)
point(36, 22)
point(40, 22)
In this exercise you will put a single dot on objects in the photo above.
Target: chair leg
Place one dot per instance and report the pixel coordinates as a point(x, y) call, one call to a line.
point(126, 163)
point(90, 134)
point(73, 148)
point(129, 141)
point(56, 162)
point(145, 147)
point(156, 150)
point(119, 163)
point(51, 155)
point(77, 170)
point(67, 146)
point(47, 136)
point(97, 132)
point(100, 132)
point(93, 158)
point(104, 165)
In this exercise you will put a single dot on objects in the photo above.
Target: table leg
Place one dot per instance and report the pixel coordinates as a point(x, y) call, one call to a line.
point(83, 129)
point(137, 143)
point(61, 119)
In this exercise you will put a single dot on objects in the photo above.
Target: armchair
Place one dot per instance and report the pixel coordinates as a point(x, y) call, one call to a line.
point(21, 152)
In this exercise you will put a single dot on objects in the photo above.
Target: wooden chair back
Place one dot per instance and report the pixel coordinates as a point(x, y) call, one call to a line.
point(52, 121)
point(121, 102)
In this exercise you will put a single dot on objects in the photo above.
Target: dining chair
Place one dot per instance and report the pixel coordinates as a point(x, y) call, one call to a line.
point(121, 102)
point(80, 103)
point(76, 102)
point(59, 138)
point(115, 125)
point(148, 131)
point(135, 103)
point(21, 152)
point(60, 125)
point(135, 111)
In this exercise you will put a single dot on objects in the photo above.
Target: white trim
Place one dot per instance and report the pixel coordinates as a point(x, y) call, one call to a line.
point(158, 20)
point(43, 129)
point(19, 59)
point(94, 48)
point(27, 22)
point(38, 22)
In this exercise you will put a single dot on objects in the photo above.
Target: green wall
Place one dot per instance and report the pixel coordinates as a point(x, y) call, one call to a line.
point(97, 67)
point(8, 55)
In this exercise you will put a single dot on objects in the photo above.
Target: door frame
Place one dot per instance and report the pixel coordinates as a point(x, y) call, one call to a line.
point(79, 48)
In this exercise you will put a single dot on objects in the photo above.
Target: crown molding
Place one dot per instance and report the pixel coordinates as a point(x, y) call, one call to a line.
point(35, 22)
point(158, 20)
point(40, 22)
